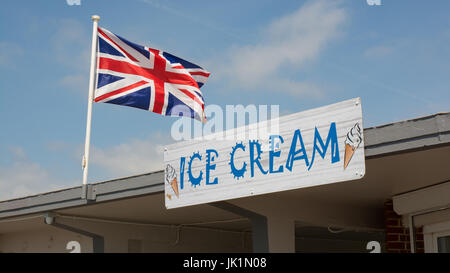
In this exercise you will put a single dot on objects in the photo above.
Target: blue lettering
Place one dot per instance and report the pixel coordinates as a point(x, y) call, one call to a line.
point(209, 158)
point(182, 161)
point(237, 173)
point(273, 154)
point(293, 153)
point(256, 160)
point(195, 181)
point(322, 148)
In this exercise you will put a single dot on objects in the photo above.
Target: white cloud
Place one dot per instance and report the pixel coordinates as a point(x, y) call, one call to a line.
point(378, 51)
point(295, 88)
point(24, 177)
point(135, 156)
point(8, 54)
point(17, 152)
point(76, 82)
point(71, 44)
point(289, 43)
point(161, 5)
point(60, 146)
point(131, 157)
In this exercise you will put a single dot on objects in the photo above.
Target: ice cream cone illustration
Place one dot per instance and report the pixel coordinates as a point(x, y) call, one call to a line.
point(349, 151)
point(171, 179)
point(352, 143)
point(174, 185)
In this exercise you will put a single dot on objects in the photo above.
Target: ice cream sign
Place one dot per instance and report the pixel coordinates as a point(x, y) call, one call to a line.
point(319, 146)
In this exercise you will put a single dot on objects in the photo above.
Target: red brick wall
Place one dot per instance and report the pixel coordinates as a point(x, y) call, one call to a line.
point(397, 237)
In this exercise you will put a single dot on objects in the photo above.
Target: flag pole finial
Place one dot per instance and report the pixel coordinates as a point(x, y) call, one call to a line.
point(95, 18)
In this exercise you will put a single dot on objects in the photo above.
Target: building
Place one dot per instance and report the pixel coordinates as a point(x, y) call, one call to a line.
point(405, 194)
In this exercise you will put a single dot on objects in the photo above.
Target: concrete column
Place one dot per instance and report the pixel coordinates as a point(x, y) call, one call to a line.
point(281, 233)
point(259, 225)
point(271, 230)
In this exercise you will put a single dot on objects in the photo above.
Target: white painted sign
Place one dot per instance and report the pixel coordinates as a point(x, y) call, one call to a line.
point(315, 147)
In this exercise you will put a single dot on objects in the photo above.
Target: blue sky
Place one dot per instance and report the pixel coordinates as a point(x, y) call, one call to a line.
point(298, 54)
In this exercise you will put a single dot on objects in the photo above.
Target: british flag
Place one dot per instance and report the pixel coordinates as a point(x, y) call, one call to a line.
point(137, 76)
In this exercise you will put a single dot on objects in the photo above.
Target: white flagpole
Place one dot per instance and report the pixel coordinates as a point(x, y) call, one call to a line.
point(85, 162)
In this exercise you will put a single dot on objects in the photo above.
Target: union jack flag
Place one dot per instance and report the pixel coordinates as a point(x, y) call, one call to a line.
point(137, 76)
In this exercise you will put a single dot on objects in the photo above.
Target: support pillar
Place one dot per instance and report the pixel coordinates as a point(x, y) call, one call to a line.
point(259, 225)
point(281, 234)
point(273, 233)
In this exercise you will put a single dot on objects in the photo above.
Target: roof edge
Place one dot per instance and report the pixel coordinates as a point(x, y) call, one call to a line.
point(139, 185)
point(422, 132)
